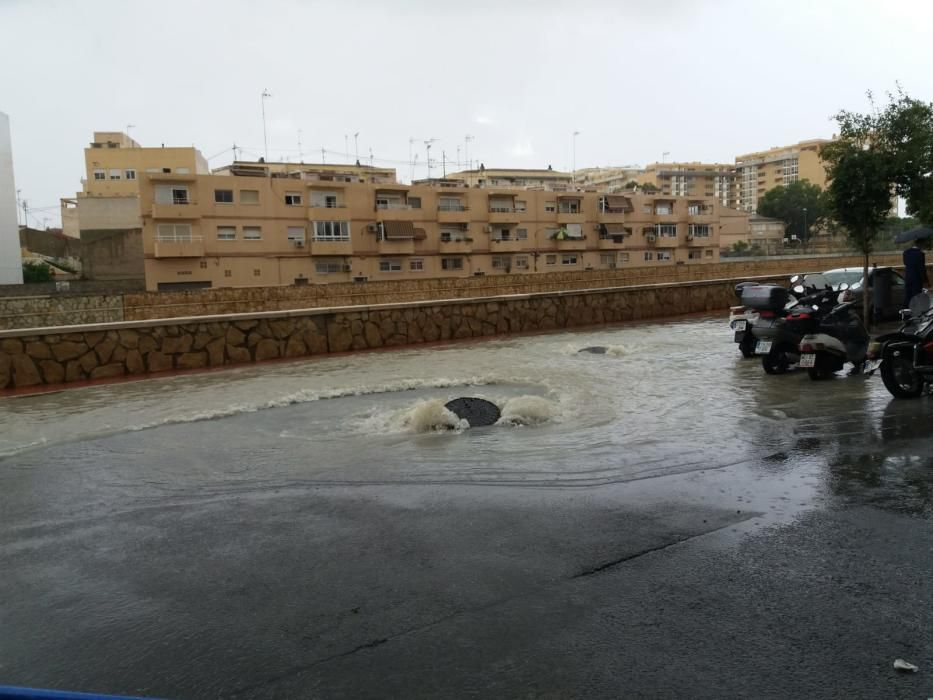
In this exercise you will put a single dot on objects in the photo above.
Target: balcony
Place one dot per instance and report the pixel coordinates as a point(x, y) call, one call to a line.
point(397, 212)
point(168, 246)
point(614, 242)
point(504, 215)
point(452, 213)
point(508, 245)
point(321, 207)
point(455, 245)
point(179, 209)
point(330, 246)
point(668, 241)
point(396, 246)
point(699, 241)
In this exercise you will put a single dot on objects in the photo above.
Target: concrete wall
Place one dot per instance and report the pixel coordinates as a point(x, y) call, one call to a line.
point(11, 266)
point(71, 354)
point(55, 245)
point(112, 255)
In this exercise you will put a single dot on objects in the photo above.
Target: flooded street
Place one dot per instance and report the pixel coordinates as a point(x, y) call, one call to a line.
point(647, 520)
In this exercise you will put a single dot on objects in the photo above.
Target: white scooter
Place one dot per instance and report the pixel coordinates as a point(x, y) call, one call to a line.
point(841, 337)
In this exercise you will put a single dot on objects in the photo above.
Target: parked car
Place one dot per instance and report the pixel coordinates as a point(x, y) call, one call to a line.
point(892, 292)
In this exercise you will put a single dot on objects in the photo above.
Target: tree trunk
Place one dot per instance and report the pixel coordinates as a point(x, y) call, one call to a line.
point(865, 292)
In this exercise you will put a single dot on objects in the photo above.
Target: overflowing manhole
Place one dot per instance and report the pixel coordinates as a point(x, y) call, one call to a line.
point(475, 411)
point(595, 349)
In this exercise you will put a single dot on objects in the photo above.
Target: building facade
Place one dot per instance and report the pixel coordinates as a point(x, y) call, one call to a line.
point(486, 178)
point(11, 266)
point(717, 180)
point(256, 227)
point(756, 173)
point(609, 179)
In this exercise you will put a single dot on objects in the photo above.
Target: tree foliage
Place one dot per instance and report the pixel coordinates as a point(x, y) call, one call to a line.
point(788, 202)
point(905, 133)
point(36, 272)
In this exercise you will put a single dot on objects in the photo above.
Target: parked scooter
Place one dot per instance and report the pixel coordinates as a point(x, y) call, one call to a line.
point(741, 320)
point(776, 341)
point(839, 337)
point(907, 355)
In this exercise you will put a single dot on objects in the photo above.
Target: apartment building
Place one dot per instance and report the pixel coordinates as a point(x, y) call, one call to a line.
point(756, 173)
point(717, 180)
point(609, 179)
point(259, 226)
point(548, 179)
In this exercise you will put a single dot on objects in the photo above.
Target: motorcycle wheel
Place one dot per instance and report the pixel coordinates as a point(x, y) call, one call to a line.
point(819, 373)
point(747, 346)
point(775, 362)
point(900, 378)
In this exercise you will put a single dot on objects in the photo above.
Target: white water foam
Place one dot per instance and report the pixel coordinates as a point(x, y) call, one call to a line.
point(526, 410)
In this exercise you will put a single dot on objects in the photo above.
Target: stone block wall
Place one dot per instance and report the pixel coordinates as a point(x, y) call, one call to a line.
point(30, 357)
point(58, 310)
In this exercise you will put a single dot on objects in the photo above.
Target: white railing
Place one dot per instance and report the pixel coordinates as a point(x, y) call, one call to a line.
point(392, 205)
point(452, 207)
point(328, 205)
point(177, 238)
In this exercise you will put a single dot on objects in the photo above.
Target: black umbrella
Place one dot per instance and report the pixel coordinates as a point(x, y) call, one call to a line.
point(915, 234)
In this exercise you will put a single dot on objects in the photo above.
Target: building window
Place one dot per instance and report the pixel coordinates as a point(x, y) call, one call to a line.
point(664, 255)
point(649, 255)
point(203, 264)
point(521, 234)
point(667, 230)
point(568, 259)
point(183, 272)
point(226, 233)
point(708, 253)
point(501, 262)
point(550, 207)
point(293, 199)
point(662, 209)
point(223, 196)
point(129, 174)
point(100, 174)
point(450, 204)
point(646, 209)
point(182, 171)
point(228, 273)
point(257, 272)
point(699, 230)
point(623, 257)
point(249, 196)
point(521, 262)
point(607, 259)
point(390, 265)
point(173, 232)
point(414, 202)
point(331, 231)
point(296, 234)
point(115, 174)
point(550, 259)
point(171, 194)
point(329, 267)
point(694, 255)
point(501, 234)
point(153, 170)
point(416, 265)
point(521, 205)
point(451, 263)
point(252, 233)
point(166, 171)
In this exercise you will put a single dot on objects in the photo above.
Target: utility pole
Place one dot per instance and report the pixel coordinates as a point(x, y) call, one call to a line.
point(265, 137)
point(458, 157)
point(25, 213)
point(466, 155)
point(346, 146)
point(370, 156)
point(427, 145)
point(323, 161)
point(235, 156)
point(573, 167)
point(356, 145)
point(128, 127)
point(443, 163)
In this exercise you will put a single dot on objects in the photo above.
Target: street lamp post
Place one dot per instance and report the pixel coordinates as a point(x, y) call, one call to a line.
point(804, 232)
point(573, 167)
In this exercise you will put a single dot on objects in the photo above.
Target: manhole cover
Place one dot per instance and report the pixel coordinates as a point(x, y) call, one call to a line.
point(595, 349)
point(475, 411)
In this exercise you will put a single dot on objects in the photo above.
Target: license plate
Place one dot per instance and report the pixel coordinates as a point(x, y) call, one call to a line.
point(808, 360)
point(738, 325)
point(763, 347)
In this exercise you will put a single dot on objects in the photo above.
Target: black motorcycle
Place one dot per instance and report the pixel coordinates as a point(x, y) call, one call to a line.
point(907, 355)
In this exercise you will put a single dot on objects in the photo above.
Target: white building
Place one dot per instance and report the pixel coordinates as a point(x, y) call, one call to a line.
point(11, 265)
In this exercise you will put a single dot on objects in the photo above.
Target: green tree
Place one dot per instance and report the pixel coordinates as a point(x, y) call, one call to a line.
point(860, 173)
point(649, 188)
point(36, 272)
point(800, 205)
point(905, 132)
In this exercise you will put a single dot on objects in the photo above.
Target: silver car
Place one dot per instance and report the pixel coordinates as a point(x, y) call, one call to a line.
point(892, 294)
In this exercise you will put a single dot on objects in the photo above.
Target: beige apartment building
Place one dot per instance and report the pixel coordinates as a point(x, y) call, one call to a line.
point(609, 179)
point(756, 173)
point(259, 224)
point(717, 180)
point(547, 179)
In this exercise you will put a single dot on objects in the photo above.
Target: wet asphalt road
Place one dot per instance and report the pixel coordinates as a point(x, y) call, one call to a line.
point(802, 571)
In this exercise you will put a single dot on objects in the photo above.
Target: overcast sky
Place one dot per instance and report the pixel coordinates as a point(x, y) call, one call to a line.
point(698, 80)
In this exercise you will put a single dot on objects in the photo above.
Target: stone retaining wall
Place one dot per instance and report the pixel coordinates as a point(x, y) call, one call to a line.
point(30, 357)
point(71, 309)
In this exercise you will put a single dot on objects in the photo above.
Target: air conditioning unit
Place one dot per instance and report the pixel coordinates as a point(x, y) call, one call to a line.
point(487, 229)
point(689, 236)
point(652, 238)
point(299, 244)
point(372, 228)
point(346, 268)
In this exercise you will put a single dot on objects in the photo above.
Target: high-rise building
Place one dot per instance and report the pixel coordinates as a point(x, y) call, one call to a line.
point(609, 179)
point(717, 180)
point(505, 178)
point(756, 173)
point(11, 266)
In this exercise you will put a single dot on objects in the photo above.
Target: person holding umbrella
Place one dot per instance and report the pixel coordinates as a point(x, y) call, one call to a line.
point(915, 263)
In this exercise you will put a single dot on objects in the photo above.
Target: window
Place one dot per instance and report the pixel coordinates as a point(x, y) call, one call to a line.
point(521, 262)
point(173, 232)
point(328, 267)
point(646, 209)
point(664, 255)
point(416, 265)
point(694, 255)
point(382, 203)
point(501, 262)
point(450, 204)
point(623, 257)
point(249, 196)
point(100, 174)
point(171, 194)
point(129, 174)
point(414, 202)
point(331, 231)
point(667, 230)
point(570, 206)
point(608, 259)
point(708, 253)
point(166, 170)
point(649, 255)
point(257, 272)
point(550, 259)
point(521, 205)
point(252, 233)
point(182, 171)
point(550, 207)
point(521, 234)
point(451, 263)
point(203, 264)
point(226, 233)
point(662, 209)
point(568, 259)
point(228, 273)
point(183, 272)
point(223, 196)
point(296, 234)
point(152, 170)
point(293, 199)
point(501, 234)
point(699, 230)
point(390, 265)
point(116, 174)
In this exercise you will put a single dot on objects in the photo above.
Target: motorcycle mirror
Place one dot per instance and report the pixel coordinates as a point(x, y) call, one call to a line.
point(799, 289)
point(844, 286)
point(795, 279)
